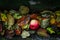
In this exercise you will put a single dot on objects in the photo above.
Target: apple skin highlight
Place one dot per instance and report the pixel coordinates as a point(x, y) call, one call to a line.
point(34, 24)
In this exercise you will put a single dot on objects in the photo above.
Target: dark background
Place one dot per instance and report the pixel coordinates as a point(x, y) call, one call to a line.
point(14, 4)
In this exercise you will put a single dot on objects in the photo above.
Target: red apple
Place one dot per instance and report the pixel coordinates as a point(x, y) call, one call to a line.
point(34, 24)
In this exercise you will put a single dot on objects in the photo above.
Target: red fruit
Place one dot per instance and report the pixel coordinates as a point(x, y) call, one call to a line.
point(34, 24)
point(18, 32)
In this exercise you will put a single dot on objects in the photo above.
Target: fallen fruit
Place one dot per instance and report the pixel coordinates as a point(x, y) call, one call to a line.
point(34, 24)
